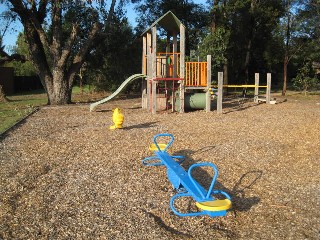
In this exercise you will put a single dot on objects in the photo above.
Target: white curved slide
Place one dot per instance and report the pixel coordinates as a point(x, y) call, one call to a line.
point(122, 86)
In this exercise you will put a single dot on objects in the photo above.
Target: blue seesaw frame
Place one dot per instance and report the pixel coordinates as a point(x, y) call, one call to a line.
point(186, 185)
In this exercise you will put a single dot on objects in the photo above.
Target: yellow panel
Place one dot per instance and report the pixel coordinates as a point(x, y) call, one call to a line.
point(153, 147)
point(215, 205)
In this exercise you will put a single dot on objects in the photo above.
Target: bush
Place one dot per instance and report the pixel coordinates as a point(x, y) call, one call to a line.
point(306, 78)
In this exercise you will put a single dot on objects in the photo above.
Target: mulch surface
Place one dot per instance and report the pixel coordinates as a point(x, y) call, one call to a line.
point(65, 175)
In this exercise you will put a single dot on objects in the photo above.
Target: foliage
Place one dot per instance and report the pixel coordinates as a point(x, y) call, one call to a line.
point(23, 68)
point(192, 15)
point(251, 24)
point(306, 78)
point(243, 37)
point(215, 44)
point(117, 58)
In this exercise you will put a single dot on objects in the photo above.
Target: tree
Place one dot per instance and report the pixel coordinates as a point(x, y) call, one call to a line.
point(56, 50)
point(23, 68)
point(118, 57)
point(305, 78)
point(192, 15)
point(241, 37)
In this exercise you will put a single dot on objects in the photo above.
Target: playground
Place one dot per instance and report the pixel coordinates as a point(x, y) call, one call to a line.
point(65, 175)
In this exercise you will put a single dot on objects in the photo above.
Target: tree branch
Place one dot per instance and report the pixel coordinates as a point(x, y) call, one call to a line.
point(79, 58)
point(56, 28)
point(111, 11)
point(42, 10)
point(68, 45)
point(28, 15)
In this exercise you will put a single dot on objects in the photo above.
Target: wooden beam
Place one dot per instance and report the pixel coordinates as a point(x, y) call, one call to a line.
point(208, 94)
point(182, 66)
point(256, 88)
point(268, 93)
point(154, 70)
point(220, 92)
point(175, 57)
point(149, 70)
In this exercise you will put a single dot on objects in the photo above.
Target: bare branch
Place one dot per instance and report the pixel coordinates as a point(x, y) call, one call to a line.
point(56, 26)
point(42, 10)
point(33, 5)
point(111, 11)
point(68, 45)
point(28, 16)
point(79, 58)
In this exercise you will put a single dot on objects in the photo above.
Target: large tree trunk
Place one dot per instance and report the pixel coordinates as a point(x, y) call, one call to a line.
point(58, 92)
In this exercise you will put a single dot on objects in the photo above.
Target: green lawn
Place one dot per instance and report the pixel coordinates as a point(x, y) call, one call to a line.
point(18, 107)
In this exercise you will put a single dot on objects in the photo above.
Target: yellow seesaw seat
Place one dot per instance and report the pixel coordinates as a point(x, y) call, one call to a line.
point(215, 205)
point(153, 147)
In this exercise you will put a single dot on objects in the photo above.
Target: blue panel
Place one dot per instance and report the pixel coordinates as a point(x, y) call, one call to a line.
point(175, 168)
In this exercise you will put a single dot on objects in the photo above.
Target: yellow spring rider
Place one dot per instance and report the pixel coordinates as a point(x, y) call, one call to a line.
point(117, 118)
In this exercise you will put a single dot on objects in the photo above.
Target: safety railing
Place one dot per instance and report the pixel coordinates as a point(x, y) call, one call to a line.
point(196, 74)
point(168, 65)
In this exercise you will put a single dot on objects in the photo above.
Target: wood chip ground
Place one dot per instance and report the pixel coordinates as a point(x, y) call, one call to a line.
point(65, 175)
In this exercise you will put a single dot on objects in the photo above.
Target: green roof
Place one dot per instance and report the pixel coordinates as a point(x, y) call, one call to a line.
point(168, 22)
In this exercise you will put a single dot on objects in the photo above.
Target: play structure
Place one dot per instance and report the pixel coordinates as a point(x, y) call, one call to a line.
point(169, 77)
point(169, 82)
point(184, 183)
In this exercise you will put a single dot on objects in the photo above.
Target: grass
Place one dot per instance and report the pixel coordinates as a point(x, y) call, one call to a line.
point(20, 105)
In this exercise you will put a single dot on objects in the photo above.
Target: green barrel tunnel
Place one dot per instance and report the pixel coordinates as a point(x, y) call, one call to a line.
point(192, 101)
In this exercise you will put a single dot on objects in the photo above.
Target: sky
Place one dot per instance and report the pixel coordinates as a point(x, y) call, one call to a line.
point(9, 40)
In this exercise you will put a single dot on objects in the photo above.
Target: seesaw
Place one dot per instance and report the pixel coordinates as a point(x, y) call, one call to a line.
point(185, 184)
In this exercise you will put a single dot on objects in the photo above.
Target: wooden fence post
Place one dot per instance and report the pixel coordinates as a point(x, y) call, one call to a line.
point(256, 88)
point(220, 88)
point(268, 90)
point(208, 95)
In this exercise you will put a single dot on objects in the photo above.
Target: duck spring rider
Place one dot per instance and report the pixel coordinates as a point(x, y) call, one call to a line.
point(185, 184)
point(117, 118)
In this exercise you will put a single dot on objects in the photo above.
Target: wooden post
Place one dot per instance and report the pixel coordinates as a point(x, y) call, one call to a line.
point(144, 71)
point(149, 70)
point(154, 70)
point(182, 66)
point(175, 69)
point(175, 50)
point(220, 92)
point(208, 95)
point(268, 90)
point(144, 54)
point(166, 63)
point(256, 88)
